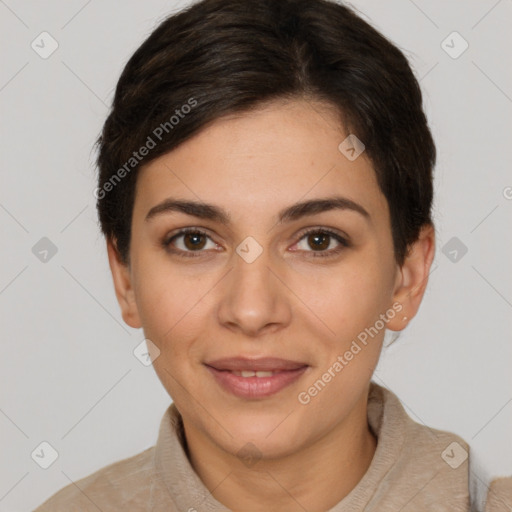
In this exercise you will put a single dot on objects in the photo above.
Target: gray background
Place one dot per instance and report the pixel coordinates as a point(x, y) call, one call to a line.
point(69, 376)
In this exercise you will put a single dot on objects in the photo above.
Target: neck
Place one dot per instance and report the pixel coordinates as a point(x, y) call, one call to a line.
point(315, 477)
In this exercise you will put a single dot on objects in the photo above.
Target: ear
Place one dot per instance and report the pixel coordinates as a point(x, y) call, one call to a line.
point(412, 278)
point(123, 286)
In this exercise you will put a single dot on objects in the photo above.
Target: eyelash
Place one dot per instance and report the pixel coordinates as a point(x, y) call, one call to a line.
point(166, 242)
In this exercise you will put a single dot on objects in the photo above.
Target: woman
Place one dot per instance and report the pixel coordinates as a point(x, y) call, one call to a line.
point(265, 191)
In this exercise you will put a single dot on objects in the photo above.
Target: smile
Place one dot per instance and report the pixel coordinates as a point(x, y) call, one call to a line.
point(250, 373)
point(255, 383)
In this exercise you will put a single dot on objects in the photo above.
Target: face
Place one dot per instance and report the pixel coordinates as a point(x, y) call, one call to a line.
point(257, 277)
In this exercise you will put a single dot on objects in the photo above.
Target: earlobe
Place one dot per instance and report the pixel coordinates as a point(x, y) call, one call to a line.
point(123, 287)
point(412, 278)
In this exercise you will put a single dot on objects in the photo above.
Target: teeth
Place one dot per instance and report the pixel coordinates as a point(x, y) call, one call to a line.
point(264, 374)
point(250, 373)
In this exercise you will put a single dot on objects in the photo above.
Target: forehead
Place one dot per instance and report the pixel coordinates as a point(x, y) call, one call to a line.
point(260, 161)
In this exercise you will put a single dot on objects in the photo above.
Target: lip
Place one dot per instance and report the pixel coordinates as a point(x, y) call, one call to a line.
point(255, 364)
point(286, 373)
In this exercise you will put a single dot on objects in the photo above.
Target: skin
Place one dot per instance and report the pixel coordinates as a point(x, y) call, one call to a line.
point(287, 303)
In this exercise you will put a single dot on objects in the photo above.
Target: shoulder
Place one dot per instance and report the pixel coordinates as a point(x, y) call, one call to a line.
point(125, 482)
point(445, 449)
point(419, 442)
point(499, 496)
point(430, 467)
point(436, 466)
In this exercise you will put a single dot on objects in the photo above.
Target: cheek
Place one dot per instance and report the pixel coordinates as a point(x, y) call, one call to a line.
point(169, 311)
point(173, 311)
point(161, 300)
point(345, 300)
point(349, 304)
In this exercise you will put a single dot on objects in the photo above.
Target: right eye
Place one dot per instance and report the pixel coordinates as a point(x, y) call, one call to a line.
point(186, 242)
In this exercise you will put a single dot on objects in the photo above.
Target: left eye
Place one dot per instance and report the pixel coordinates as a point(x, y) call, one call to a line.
point(193, 240)
point(320, 240)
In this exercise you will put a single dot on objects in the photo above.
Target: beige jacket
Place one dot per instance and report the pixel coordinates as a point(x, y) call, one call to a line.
point(415, 469)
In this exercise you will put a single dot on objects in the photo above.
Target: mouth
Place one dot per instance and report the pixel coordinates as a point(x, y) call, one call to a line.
point(255, 378)
point(252, 373)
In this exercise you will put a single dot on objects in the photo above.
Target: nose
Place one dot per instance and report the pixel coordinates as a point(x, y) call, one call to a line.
point(254, 297)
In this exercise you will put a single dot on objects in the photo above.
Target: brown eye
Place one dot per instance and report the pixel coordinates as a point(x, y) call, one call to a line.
point(319, 241)
point(194, 241)
point(322, 243)
point(188, 241)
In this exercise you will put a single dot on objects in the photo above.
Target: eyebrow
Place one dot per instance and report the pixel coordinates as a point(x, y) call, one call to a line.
point(291, 213)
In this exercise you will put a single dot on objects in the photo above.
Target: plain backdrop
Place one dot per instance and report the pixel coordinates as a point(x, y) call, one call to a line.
point(68, 373)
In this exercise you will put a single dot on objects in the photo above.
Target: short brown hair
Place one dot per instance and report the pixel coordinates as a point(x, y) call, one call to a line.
point(221, 57)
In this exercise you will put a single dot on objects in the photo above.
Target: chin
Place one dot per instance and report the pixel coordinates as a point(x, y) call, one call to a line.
point(272, 435)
